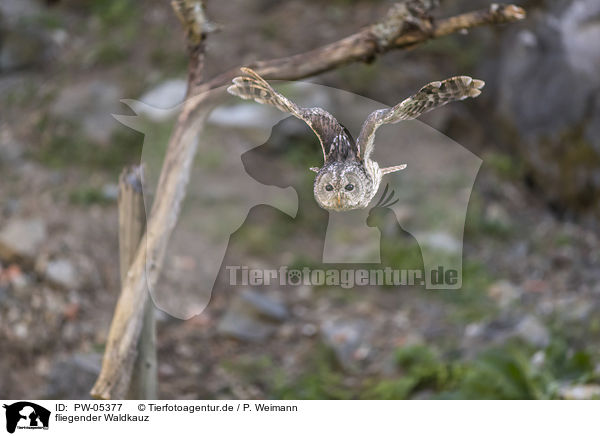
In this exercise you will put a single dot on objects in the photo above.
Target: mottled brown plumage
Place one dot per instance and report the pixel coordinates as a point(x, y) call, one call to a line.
point(348, 179)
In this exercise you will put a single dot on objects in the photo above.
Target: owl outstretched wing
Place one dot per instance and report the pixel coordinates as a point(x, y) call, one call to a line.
point(429, 97)
point(252, 86)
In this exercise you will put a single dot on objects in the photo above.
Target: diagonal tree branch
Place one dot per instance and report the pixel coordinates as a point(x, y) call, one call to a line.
point(119, 357)
point(362, 46)
point(365, 45)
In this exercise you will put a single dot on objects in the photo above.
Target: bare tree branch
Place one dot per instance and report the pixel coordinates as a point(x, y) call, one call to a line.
point(362, 46)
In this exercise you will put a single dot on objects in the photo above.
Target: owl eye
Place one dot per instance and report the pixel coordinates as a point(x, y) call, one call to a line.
point(349, 187)
point(329, 187)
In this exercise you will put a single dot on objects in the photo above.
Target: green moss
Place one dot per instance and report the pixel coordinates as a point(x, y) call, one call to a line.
point(562, 239)
point(252, 369)
point(321, 380)
point(22, 96)
point(113, 13)
point(506, 166)
point(479, 225)
point(580, 158)
point(88, 195)
point(500, 372)
point(471, 303)
point(575, 365)
point(576, 161)
point(257, 239)
point(48, 19)
point(503, 372)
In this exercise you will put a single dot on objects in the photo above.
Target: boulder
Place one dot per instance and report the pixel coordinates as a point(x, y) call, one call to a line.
point(21, 239)
point(549, 98)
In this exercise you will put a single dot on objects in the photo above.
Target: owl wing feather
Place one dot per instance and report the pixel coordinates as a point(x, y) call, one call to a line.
point(252, 86)
point(429, 97)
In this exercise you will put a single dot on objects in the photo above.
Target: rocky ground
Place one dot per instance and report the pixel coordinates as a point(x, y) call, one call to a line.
point(523, 326)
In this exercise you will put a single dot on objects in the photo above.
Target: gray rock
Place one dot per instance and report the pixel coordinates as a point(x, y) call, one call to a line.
point(62, 273)
point(21, 330)
point(504, 293)
point(252, 316)
point(23, 48)
point(91, 105)
point(73, 377)
point(11, 150)
point(265, 305)
point(474, 330)
point(548, 89)
point(167, 94)
point(574, 309)
point(309, 329)
point(154, 103)
point(15, 10)
point(244, 327)
point(23, 44)
point(242, 115)
point(538, 359)
point(532, 331)
point(549, 69)
point(550, 95)
point(580, 30)
point(22, 238)
point(580, 392)
point(496, 214)
point(440, 241)
point(110, 191)
point(349, 340)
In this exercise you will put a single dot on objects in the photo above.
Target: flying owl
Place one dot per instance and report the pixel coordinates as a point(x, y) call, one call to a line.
point(348, 178)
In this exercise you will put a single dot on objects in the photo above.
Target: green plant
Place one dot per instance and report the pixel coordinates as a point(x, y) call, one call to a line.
point(87, 195)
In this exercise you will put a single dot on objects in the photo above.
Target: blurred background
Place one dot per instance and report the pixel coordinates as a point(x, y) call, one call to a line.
point(524, 325)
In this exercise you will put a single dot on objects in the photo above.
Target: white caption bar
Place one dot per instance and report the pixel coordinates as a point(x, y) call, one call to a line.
point(462, 418)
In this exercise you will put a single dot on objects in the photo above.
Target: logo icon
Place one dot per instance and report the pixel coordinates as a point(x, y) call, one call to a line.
point(26, 415)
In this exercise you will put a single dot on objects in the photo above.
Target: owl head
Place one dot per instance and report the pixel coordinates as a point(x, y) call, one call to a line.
point(343, 185)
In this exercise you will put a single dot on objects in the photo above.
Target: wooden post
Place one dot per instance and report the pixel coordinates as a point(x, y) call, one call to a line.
point(132, 222)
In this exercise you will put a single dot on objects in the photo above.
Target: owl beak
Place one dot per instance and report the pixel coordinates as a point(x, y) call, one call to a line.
point(339, 199)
